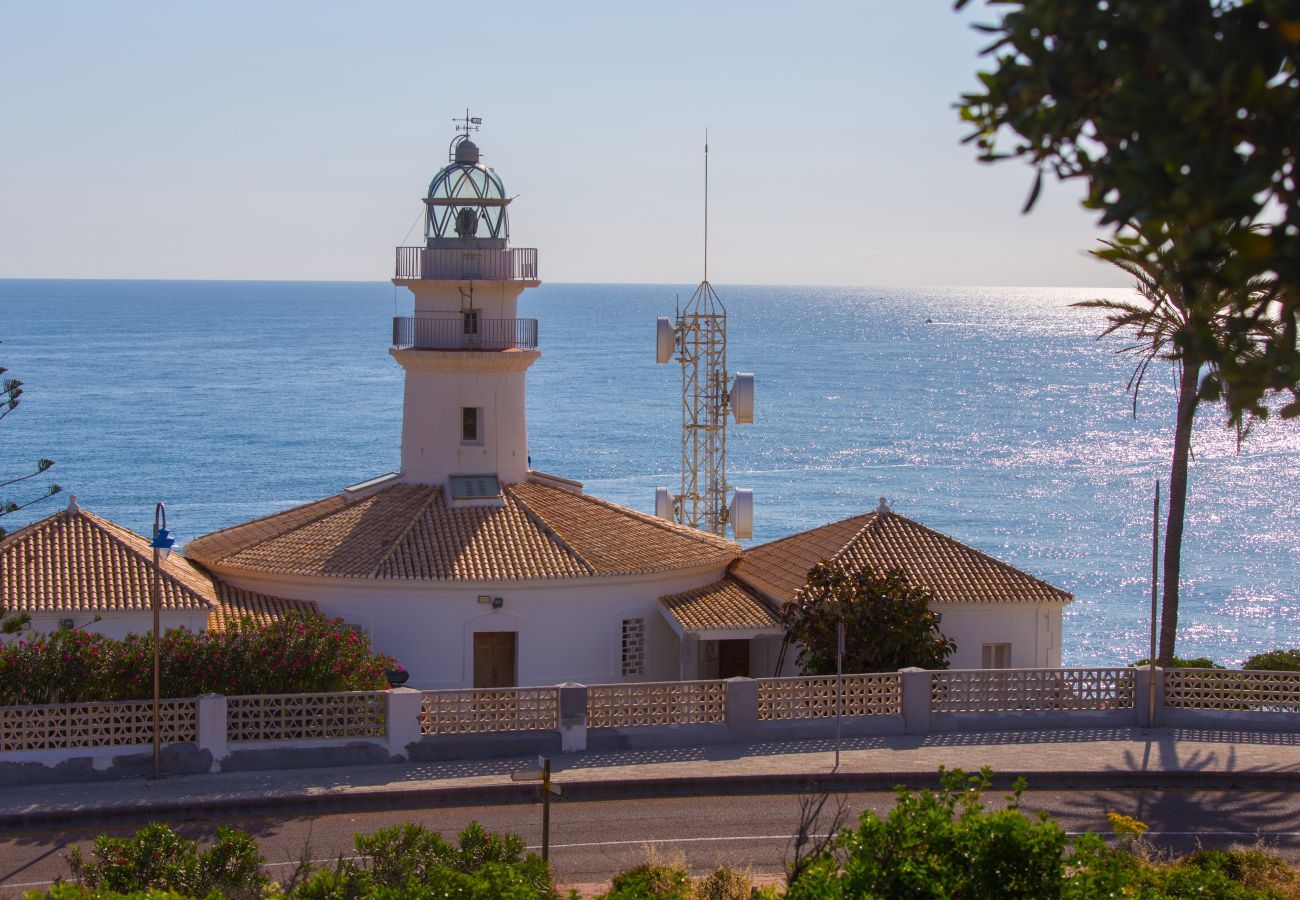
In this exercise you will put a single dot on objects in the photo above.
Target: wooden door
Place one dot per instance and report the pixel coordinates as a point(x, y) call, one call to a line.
point(733, 659)
point(494, 659)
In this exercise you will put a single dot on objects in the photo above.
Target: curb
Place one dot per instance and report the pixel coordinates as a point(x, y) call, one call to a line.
point(380, 799)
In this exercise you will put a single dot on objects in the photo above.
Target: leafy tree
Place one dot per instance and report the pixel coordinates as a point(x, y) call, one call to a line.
point(11, 389)
point(1182, 117)
point(888, 623)
point(1275, 661)
point(1185, 325)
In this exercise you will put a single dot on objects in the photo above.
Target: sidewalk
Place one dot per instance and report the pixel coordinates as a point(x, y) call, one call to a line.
point(1064, 758)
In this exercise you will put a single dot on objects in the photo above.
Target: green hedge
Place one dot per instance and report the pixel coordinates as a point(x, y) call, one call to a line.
point(299, 653)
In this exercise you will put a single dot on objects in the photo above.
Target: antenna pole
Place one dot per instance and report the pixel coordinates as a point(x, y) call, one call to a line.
point(706, 204)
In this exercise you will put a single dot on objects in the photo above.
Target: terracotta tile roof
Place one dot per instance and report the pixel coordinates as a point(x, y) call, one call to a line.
point(408, 531)
point(235, 603)
point(721, 606)
point(951, 571)
point(74, 561)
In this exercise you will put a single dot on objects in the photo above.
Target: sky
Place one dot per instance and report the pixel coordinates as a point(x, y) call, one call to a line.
point(294, 140)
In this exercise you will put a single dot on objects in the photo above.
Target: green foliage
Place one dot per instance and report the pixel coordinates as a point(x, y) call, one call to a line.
point(299, 653)
point(156, 858)
point(1180, 662)
point(888, 623)
point(942, 844)
point(1275, 661)
point(651, 880)
point(411, 861)
point(1181, 117)
point(13, 621)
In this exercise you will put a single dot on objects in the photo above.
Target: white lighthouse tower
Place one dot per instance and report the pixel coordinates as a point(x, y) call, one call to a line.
point(465, 350)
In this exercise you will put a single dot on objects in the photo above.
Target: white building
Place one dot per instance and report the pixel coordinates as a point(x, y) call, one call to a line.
point(472, 569)
point(74, 569)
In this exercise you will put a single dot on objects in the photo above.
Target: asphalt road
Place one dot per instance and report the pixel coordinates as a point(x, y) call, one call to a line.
point(591, 841)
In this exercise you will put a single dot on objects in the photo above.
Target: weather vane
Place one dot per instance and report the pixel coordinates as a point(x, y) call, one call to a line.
point(467, 124)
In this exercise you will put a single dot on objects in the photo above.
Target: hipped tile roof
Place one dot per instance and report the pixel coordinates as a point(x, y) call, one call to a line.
point(77, 562)
point(951, 571)
point(74, 561)
point(721, 606)
point(235, 604)
point(408, 531)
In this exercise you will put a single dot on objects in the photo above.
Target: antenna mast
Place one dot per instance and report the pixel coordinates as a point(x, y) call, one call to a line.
point(699, 339)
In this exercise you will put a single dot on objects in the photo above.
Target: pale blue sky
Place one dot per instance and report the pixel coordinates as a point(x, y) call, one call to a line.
point(295, 139)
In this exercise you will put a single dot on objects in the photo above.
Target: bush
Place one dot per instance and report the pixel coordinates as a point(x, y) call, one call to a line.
point(1193, 662)
point(409, 860)
point(1275, 661)
point(725, 883)
point(156, 858)
point(651, 879)
point(299, 653)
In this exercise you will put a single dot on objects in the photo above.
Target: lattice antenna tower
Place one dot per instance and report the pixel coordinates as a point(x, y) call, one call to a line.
point(698, 338)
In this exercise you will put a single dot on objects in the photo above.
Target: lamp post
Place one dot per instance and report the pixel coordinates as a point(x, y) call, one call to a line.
point(162, 547)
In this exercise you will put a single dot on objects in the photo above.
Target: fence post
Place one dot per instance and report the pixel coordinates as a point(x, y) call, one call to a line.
point(403, 720)
point(916, 700)
point(212, 728)
point(573, 717)
point(742, 707)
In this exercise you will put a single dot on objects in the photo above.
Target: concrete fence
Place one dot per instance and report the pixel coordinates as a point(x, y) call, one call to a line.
point(215, 733)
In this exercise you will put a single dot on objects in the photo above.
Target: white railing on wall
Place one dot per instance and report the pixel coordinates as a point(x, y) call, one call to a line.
point(305, 717)
point(814, 697)
point(486, 710)
point(116, 723)
point(1030, 690)
point(1224, 689)
point(656, 703)
point(895, 702)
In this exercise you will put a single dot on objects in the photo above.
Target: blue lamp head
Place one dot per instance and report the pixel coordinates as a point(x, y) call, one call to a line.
point(162, 542)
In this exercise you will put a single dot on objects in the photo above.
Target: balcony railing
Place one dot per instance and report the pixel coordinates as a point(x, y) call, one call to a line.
point(434, 333)
point(515, 264)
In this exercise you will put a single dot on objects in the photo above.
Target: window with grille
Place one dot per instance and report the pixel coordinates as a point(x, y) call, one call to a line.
point(633, 647)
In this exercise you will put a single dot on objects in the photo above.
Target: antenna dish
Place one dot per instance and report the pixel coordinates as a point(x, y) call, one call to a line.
point(742, 398)
point(664, 339)
point(663, 503)
point(740, 514)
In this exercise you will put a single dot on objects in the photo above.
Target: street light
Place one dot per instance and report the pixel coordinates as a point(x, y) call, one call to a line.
point(162, 548)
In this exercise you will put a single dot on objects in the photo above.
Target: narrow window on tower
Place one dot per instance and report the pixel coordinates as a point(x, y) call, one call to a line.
point(471, 425)
point(470, 320)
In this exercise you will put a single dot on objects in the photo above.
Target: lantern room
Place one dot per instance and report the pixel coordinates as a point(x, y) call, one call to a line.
point(466, 204)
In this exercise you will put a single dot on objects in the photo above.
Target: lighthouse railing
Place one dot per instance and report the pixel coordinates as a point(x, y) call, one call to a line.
point(458, 333)
point(460, 264)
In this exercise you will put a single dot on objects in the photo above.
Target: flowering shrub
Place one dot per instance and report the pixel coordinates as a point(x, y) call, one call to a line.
point(299, 653)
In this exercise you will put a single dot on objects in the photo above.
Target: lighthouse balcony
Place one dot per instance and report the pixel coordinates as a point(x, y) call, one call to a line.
point(460, 332)
point(422, 263)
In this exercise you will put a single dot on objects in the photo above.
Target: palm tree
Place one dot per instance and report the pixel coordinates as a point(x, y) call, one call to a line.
point(1189, 322)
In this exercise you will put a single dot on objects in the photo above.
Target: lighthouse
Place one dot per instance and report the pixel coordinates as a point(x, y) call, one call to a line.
point(465, 350)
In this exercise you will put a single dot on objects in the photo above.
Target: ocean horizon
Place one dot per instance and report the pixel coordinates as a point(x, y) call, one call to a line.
point(991, 414)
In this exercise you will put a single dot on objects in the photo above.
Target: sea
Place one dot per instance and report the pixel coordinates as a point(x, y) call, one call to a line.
point(994, 415)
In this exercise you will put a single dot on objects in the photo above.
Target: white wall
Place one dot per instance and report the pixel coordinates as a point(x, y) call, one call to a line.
point(115, 624)
point(1033, 631)
point(568, 630)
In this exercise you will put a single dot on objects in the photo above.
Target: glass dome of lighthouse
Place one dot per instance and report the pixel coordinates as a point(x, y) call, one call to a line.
point(466, 204)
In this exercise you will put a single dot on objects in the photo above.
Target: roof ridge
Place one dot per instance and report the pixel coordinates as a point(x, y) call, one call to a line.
point(1000, 564)
point(434, 492)
point(110, 529)
point(694, 534)
point(309, 521)
point(872, 519)
point(14, 537)
point(806, 531)
point(548, 529)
